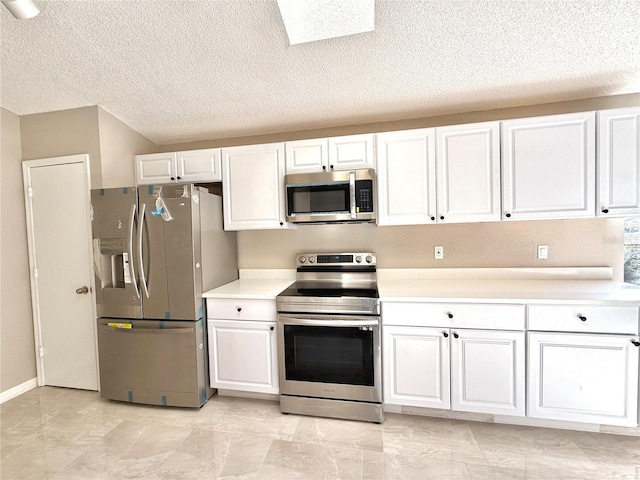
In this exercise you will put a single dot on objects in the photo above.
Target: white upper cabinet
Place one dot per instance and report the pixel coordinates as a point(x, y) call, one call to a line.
point(406, 174)
point(199, 166)
point(253, 187)
point(468, 172)
point(448, 174)
point(330, 154)
point(549, 167)
point(179, 167)
point(307, 155)
point(619, 162)
point(155, 168)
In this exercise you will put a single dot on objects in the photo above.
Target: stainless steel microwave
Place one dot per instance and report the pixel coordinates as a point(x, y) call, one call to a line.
point(342, 196)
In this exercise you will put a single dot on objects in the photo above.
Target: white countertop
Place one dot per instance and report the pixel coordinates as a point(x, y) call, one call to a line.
point(255, 284)
point(508, 291)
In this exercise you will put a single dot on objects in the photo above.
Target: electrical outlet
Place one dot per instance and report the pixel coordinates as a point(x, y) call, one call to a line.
point(438, 253)
point(543, 252)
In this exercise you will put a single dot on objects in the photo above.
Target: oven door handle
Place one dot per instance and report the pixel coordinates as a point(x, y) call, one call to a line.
point(316, 322)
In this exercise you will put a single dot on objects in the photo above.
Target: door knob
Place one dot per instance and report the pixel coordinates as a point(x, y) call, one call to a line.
point(82, 290)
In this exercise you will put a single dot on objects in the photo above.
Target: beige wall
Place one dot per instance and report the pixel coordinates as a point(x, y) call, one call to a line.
point(67, 132)
point(17, 352)
point(572, 243)
point(118, 145)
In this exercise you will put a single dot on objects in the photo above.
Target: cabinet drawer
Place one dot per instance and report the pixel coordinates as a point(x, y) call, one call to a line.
point(241, 309)
point(583, 318)
point(455, 315)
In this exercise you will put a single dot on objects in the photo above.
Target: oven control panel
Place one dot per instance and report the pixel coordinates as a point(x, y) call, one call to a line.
point(335, 259)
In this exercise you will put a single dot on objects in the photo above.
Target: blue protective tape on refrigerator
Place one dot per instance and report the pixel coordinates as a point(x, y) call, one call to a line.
point(167, 316)
point(164, 400)
point(125, 190)
point(200, 311)
point(102, 192)
point(150, 189)
point(204, 395)
point(161, 324)
point(130, 396)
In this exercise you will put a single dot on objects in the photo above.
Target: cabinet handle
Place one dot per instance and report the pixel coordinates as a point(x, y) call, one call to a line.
point(445, 334)
point(636, 343)
point(582, 317)
point(239, 309)
point(605, 210)
point(271, 328)
point(508, 215)
point(450, 315)
point(455, 335)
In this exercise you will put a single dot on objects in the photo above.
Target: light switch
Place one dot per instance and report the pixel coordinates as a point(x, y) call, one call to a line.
point(543, 252)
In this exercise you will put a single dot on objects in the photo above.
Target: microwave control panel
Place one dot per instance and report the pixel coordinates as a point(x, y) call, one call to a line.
point(364, 196)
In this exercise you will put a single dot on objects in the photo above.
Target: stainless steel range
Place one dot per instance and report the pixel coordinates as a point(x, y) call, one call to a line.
point(329, 349)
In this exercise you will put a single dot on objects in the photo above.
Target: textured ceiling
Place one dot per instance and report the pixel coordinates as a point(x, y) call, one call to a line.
point(181, 71)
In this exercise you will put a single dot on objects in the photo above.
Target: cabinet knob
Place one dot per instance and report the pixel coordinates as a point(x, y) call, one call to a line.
point(271, 328)
point(455, 335)
point(582, 317)
point(605, 210)
point(508, 215)
point(281, 223)
point(173, 178)
point(441, 217)
point(324, 167)
point(179, 178)
point(445, 334)
point(450, 315)
point(331, 167)
point(239, 309)
point(636, 343)
point(433, 218)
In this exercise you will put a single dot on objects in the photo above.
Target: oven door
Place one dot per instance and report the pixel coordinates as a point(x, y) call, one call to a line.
point(335, 357)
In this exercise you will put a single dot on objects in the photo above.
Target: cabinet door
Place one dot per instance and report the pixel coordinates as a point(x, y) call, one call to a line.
point(243, 356)
point(307, 155)
point(549, 167)
point(406, 177)
point(416, 366)
point(619, 162)
point(253, 186)
point(583, 378)
point(468, 172)
point(155, 168)
point(199, 166)
point(487, 372)
point(352, 151)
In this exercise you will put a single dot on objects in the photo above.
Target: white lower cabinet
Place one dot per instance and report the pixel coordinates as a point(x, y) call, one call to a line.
point(583, 378)
point(488, 372)
point(416, 366)
point(465, 370)
point(243, 355)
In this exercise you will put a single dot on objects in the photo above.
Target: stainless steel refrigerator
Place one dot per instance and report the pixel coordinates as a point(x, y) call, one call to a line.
point(156, 248)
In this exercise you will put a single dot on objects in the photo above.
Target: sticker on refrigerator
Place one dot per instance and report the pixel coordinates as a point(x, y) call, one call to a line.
point(119, 325)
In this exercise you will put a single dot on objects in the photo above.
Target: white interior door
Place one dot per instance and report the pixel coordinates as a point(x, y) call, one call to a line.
point(57, 196)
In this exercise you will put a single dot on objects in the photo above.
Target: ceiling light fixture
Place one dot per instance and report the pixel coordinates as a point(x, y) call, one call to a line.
point(311, 20)
point(22, 9)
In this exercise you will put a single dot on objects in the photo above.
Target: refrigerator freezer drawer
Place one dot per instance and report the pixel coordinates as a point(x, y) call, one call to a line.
point(153, 362)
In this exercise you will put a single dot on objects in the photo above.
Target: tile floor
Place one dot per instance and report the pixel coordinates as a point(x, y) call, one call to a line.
point(53, 433)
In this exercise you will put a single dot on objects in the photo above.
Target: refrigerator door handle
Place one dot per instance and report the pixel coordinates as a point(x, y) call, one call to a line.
point(132, 270)
point(143, 277)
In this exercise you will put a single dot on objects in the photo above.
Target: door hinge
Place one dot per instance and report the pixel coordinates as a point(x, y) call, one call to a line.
point(30, 192)
point(41, 352)
point(35, 272)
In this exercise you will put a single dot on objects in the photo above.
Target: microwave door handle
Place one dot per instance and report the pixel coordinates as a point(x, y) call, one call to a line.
point(143, 277)
point(352, 192)
point(132, 270)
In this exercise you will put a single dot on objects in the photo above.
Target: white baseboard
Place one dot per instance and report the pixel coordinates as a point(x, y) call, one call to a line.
point(18, 390)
